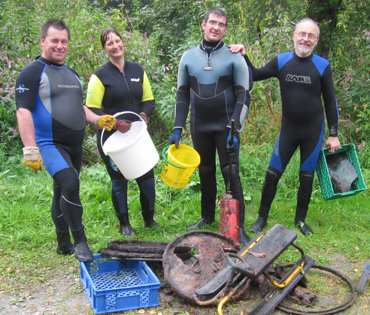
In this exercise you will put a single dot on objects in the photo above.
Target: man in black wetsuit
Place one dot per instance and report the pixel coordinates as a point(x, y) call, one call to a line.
point(304, 77)
point(51, 119)
point(217, 83)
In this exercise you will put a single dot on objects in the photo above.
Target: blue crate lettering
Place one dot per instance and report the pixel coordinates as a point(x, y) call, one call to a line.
point(114, 285)
point(323, 175)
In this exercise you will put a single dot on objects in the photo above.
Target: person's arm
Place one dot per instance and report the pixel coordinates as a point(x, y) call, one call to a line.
point(26, 127)
point(93, 109)
point(267, 71)
point(182, 95)
point(331, 109)
point(243, 83)
point(31, 153)
point(91, 117)
point(182, 102)
point(147, 100)
point(95, 94)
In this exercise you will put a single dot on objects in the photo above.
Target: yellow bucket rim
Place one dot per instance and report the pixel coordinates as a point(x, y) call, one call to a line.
point(177, 166)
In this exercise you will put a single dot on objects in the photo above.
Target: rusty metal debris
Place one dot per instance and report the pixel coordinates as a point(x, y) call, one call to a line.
point(207, 267)
point(141, 250)
point(304, 296)
point(208, 257)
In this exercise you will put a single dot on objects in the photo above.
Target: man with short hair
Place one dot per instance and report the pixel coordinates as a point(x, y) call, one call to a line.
point(51, 119)
point(304, 77)
point(217, 83)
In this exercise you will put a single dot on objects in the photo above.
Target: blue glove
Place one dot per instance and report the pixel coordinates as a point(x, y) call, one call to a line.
point(175, 138)
point(234, 146)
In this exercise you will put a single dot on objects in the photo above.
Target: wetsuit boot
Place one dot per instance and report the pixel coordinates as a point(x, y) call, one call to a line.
point(268, 194)
point(147, 201)
point(81, 249)
point(65, 246)
point(125, 227)
point(119, 199)
point(237, 193)
point(206, 219)
point(208, 190)
point(303, 200)
point(149, 221)
point(243, 236)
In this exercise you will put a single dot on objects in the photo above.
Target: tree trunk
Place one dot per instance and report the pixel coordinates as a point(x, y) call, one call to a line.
point(325, 13)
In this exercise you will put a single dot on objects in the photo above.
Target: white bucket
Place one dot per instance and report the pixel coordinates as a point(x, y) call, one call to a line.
point(133, 152)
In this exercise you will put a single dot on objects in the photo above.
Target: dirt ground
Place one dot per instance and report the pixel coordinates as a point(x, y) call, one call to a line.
point(64, 294)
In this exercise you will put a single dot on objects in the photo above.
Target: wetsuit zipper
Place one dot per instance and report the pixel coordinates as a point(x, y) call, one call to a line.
point(128, 88)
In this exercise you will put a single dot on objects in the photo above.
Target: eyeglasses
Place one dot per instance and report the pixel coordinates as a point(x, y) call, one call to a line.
point(214, 23)
point(303, 35)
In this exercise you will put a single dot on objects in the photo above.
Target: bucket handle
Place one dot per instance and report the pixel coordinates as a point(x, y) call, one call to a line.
point(165, 158)
point(115, 115)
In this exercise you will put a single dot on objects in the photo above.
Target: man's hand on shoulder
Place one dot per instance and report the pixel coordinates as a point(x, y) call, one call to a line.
point(235, 48)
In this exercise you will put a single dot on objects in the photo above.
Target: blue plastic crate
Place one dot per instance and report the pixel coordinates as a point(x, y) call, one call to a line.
point(118, 285)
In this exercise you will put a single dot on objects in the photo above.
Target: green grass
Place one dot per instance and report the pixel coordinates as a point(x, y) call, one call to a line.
point(28, 241)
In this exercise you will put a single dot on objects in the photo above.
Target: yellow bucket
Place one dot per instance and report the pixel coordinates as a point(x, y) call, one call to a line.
point(179, 165)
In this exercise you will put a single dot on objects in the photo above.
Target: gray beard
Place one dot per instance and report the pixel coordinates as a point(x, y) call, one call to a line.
point(305, 52)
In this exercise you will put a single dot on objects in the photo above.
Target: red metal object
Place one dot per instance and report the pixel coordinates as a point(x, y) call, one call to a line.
point(229, 216)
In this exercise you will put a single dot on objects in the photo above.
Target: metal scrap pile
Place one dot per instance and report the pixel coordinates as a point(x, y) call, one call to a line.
point(206, 268)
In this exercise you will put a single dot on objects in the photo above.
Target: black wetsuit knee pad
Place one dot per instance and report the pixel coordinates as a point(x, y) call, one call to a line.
point(69, 184)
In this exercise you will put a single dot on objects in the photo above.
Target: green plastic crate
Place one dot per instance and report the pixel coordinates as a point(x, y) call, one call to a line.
point(323, 175)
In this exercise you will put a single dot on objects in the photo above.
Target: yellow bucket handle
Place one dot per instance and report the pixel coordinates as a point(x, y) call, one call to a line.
point(165, 158)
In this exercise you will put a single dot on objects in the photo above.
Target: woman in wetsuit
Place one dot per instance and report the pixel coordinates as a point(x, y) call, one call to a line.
point(122, 85)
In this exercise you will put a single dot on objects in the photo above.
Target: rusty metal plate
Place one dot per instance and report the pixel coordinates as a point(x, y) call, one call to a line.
point(185, 272)
point(139, 250)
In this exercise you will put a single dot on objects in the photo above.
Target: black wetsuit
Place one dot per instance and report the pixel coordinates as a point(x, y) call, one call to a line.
point(53, 94)
point(303, 81)
point(217, 83)
point(111, 91)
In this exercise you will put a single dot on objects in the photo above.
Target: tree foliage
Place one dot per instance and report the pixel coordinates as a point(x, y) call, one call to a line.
point(157, 32)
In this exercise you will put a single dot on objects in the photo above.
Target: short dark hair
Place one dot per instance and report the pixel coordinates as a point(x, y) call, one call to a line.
point(105, 34)
point(57, 24)
point(217, 12)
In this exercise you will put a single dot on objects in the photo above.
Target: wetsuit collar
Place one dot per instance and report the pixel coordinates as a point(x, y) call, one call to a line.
point(303, 59)
point(49, 63)
point(210, 46)
point(113, 66)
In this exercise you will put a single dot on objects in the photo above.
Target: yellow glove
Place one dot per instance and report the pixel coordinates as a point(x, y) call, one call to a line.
point(106, 121)
point(32, 158)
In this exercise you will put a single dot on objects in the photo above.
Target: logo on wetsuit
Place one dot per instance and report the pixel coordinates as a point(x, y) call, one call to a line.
point(298, 78)
point(113, 165)
point(21, 88)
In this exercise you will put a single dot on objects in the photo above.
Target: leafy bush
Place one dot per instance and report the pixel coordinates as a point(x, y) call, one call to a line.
point(175, 25)
point(20, 45)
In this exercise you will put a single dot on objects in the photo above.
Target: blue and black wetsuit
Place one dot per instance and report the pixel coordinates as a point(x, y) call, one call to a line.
point(217, 83)
point(53, 94)
point(111, 91)
point(303, 81)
